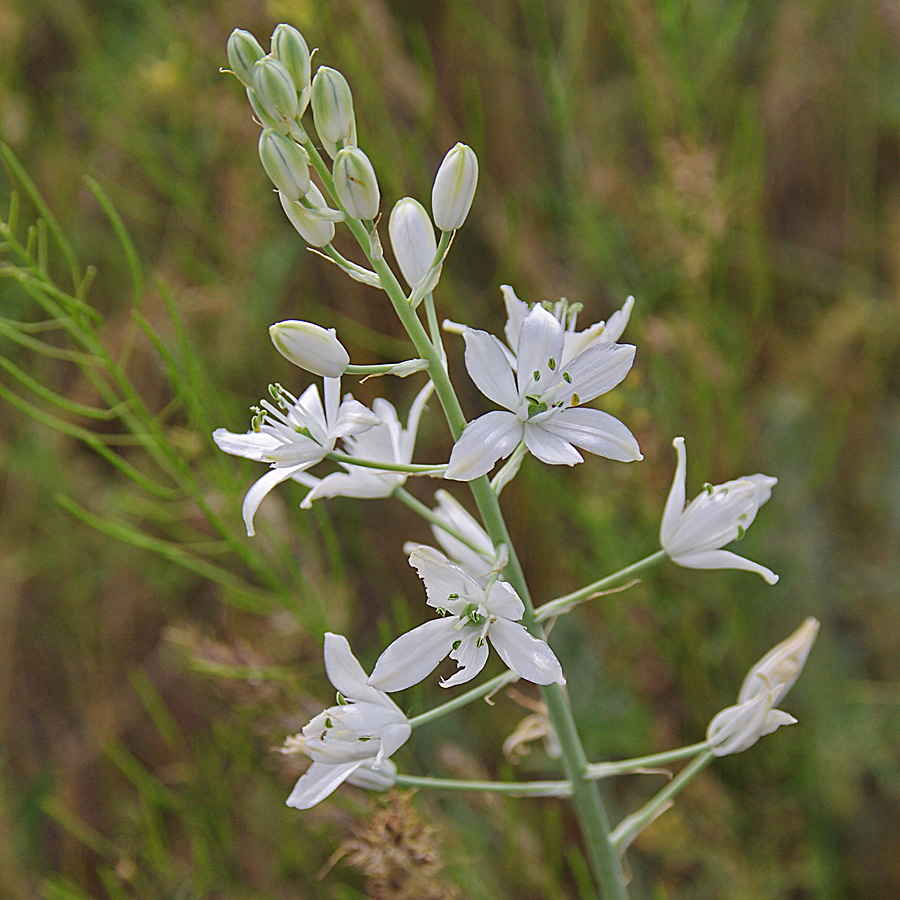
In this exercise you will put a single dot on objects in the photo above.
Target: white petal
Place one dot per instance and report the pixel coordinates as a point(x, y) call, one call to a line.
point(540, 340)
point(516, 311)
point(252, 445)
point(443, 578)
point(675, 502)
point(408, 438)
point(393, 737)
point(259, 489)
point(352, 418)
point(781, 666)
point(320, 780)
point(485, 440)
point(469, 656)
point(549, 448)
point(414, 655)
point(365, 484)
point(723, 559)
point(502, 600)
point(347, 675)
point(380, 779)
point(531, 657)
point(618, 320)
point(489, 368)
point(598, 370)
point(595, 431)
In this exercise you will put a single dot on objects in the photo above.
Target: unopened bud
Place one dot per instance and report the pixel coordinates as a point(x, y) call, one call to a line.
point(412, 239)
point(275, 90)
point(310, 347)
point(289, 48)
point(454, 188)
point(285, 162)
point(332, 105)
point(355, 183)
point(243, 52)
point(316, 230)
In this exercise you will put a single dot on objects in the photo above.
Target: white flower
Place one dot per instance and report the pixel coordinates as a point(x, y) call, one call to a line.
point(576, 342)
point(470, 614)
point(741, 726)
point(693, 537)
point(387, 442)
point(354, 739)
point(542, 397)
point(294, 437)
point(479, 563)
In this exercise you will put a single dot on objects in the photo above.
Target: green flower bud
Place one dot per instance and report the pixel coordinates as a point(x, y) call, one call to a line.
point(310, 347)
point(263, 117)
point(454, 188)
point(289, 47)
point(316, 230)
point(285, 162)
point(275, 90)
point(356, 184)
point(412, 239)
point(243, 51)
point(332, 105)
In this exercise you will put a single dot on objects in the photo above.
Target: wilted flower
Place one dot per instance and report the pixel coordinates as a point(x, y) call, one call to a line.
point(693, 536)
point(294, 436)
point(471, 612)
point(353, 740)
point(542, 397)
point(739, 727)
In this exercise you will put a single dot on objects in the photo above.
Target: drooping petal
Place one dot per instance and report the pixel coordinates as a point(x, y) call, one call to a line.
point(531, 657)
point(363, 484)
point(548, 447)
point(595, 431)
point(258, 491)
point(414, 655)
point(320, 780)
point(540, 342)
point(252, 445)
point(484, 440)
point(598, 370)
point(723, 559)
point(675, 502)
point(470, 655)
point(346, 674)
point(489, 368)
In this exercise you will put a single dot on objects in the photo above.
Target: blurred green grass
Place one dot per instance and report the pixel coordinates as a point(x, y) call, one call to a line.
point(734, 165)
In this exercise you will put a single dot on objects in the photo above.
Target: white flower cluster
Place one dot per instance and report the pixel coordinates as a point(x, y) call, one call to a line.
point(544, 376)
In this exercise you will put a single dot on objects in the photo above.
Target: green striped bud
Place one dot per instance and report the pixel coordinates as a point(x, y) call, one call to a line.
point(310, 347)
point(332, 105)
point(316, 230)
point(454, 188)
point(275, 90)
point(412, 239)
point(285, 162)
point(243, 52)
point(355, 183)
point(289, 48)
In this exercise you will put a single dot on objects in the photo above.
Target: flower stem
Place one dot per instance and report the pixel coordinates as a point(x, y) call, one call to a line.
point(631, 826)
point(514, 788)
point(627, 766)
point(408, 468)
point(476, 693)
point(569, 601)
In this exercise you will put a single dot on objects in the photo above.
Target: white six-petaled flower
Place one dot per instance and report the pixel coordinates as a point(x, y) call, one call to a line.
point(739, 727)
point(353, 740)
point(471, 612)
point(693, 536)
point(293, 436)
point(542, 396)
point(387, 441)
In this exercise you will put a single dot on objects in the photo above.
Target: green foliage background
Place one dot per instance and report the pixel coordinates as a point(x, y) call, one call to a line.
point(733, 164)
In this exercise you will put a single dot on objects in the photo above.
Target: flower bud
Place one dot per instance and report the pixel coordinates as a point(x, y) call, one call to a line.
point(332, 105)
point(412, 239)
point(310, 347)
point(289, 48)
point(355, 183)
point(275, 90)
point(285, 162)
point(317, 231)
point(243, 52)
point(454, 188)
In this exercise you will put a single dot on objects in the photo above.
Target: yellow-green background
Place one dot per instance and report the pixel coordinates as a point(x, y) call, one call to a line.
point(732, 164)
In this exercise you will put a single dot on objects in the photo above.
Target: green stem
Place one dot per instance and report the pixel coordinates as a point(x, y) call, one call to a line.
point(382, 465)
point(476, 693)
point(380, 369)
point(513, 788)
point(564, 604)
point(431, 516)
point(627, 766)
point(631, 826)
